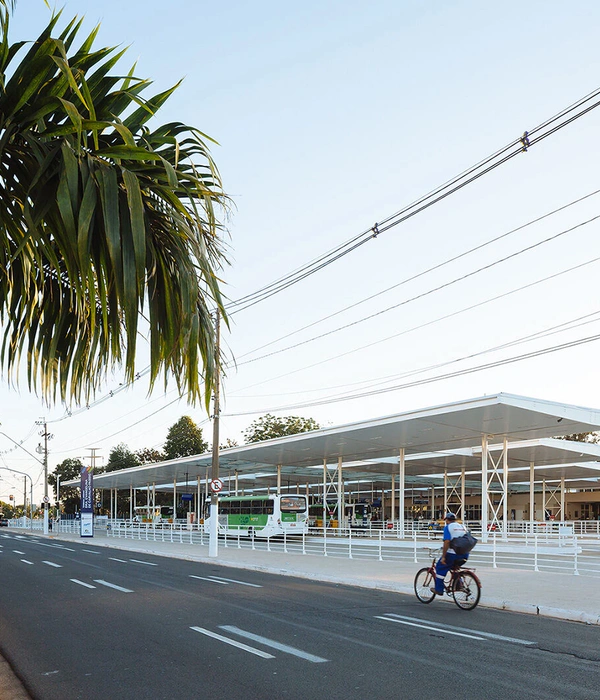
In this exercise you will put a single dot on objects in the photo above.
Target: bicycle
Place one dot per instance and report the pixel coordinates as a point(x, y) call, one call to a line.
point(460, 583)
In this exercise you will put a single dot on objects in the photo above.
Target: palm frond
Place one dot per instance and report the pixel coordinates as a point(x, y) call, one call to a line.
point(101, 219)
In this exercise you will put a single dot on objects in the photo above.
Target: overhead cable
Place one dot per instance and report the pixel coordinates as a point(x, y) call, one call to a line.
point(516, 147)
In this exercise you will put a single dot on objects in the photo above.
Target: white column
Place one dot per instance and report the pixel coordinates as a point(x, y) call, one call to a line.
point(174, 499)
point(401, 486)
point(393, 503)
point(531, 493)
point(236, 482)
point(131, 492)
point(544, 499)
point(562, 499)
point(445, 491)
point(279, 479)
point(484, 489)
point(463, 503)
point(340, 488)
point(505, 487)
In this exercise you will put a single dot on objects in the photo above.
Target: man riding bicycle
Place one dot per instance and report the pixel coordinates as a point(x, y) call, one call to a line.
point(449, 557)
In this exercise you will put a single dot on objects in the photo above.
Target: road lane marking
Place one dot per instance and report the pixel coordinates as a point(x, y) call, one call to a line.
point(429, 627)
point(233, 643)
point(51, 563)
point(112, 585)
point(274, 645)
point(232, 580)
point(81, 583)
point(16, 551)
point(123, 561)
point(139, 561)
point(211, 580)
point(90, 551)
point(27, 562)
point(487, 635)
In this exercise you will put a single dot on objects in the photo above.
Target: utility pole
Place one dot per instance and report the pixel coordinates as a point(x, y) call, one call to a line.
point(213, 541)
point(46, 435)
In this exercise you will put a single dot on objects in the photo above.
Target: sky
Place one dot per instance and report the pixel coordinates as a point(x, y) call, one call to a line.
point(331, 116)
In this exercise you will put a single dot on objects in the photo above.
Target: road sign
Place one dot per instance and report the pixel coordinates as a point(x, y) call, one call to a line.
point(216, 485)
point(46, 499)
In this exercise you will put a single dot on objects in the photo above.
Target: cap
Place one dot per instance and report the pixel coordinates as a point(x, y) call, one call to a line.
point(450, 516)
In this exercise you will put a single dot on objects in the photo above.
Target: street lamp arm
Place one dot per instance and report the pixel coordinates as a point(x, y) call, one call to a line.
point(21, 446)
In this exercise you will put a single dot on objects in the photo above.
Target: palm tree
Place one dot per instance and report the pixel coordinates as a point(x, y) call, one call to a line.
point(104, 221)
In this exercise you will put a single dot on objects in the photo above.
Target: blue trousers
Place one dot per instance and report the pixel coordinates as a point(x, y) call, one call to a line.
point(442, 569)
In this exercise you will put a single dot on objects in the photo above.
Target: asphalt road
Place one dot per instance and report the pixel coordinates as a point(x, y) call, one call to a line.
point(80, 621)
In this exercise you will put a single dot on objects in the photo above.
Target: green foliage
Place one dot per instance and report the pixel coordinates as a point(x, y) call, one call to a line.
point(121, 457)
point(103, 218)
point(592, 437)
point(148, 455)
point(69, 496)
point(184, 439)
point(270, 426)
point(7, 510)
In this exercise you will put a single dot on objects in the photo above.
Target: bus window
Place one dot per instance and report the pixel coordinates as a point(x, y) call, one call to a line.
point(293, 504)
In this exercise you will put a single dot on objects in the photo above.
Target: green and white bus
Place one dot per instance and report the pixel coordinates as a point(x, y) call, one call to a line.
point(260, 516)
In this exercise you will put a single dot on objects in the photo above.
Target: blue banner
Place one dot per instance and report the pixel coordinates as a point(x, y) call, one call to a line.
point(87, 502)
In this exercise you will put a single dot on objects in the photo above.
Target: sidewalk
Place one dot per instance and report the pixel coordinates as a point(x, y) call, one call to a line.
point(557, 595)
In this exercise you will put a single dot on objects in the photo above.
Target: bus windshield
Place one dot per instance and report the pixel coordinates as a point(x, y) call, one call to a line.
point(293, 504)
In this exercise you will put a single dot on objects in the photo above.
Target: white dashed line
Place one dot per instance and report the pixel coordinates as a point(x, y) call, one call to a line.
point(274, 645)
point(51, 563)
point(112, 585)
point(91, 551)
point(26, 562)
point(210, 580)
point(232, 580)
point(81, 583)
point(123, 561)
point(233, 643)
point(139, 561)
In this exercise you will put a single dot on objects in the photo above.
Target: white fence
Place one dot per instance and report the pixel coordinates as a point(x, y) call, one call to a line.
point(557, 547)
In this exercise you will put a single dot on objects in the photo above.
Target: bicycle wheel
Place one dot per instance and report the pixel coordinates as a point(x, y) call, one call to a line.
point(424, 580)
point(466, 590)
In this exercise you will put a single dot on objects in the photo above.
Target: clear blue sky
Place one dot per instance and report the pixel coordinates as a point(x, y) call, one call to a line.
point(331, 116)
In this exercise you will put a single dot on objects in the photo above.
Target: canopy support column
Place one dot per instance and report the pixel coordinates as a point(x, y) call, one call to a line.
point(494, 481)
point(531, 494)
point(393, 500)
point(279, 479)
point(463, 502)
point(484, 489)
point(340, 495)
point(562, 499)
point(401, 487)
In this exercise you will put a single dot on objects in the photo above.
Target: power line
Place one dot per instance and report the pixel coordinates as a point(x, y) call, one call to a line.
point(430, 323)
point(424, 272)
point(424, 294)
point(430, 380)
point(516, 147)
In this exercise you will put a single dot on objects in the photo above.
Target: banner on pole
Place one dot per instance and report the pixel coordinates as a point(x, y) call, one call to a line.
point(87, 502)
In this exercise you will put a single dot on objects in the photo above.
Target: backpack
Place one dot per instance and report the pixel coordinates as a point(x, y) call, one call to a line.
point(464, 543)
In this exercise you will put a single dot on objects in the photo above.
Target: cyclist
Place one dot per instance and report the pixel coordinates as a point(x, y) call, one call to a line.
point(449, 557)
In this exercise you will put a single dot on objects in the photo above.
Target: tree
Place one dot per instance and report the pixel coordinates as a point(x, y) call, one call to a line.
point(270, 426)
point(65, 471)
point(149, 455)
point(593, 437)
point(121, 457)
point(102, 219)
point(184, 439)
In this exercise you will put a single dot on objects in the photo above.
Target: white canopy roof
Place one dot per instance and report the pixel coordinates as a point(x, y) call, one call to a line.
point(442, 437)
